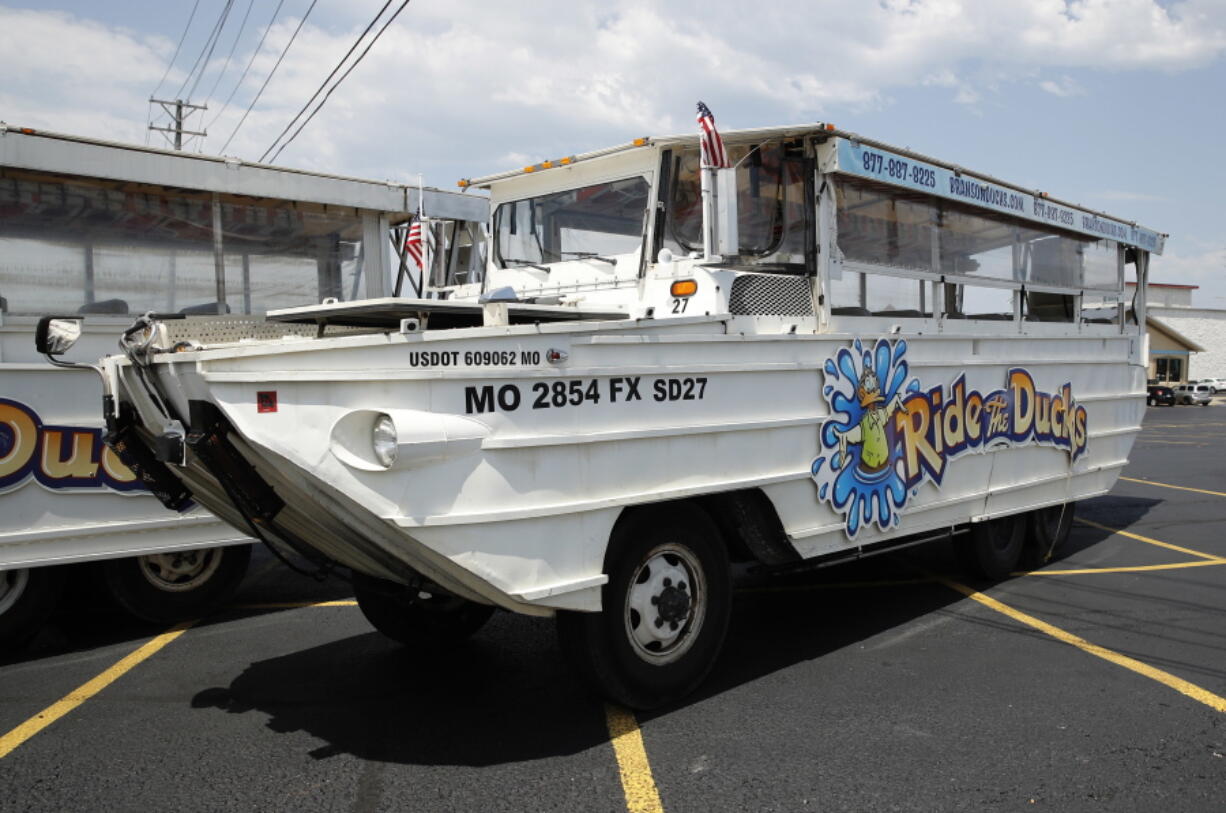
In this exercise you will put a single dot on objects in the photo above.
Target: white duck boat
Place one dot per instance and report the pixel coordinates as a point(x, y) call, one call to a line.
point(855, 349)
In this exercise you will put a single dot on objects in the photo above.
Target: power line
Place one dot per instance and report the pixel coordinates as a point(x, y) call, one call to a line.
point(327, 95)
point(169, 66)
point(270, 74)
point(209, 41)
point(325, 82)
point(234, 47)
point(178, 47)
point(251, 61)
point(204, 66)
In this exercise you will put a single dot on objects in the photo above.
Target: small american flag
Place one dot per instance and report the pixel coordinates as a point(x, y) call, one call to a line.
point(713, 153)
point(413, 245)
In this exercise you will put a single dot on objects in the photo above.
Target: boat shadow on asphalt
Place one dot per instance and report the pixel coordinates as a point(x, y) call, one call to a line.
point(507, 695)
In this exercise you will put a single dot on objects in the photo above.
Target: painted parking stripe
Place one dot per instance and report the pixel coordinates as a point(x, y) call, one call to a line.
point(1177, 488)
point(1133, 569)
point(637, 782)
point(15, 738)
point(293, 605)
point(1210, 556)
point(1213, 701)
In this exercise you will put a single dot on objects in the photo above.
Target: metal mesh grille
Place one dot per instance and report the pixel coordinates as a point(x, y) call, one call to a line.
point(770, 295)
point(210, 330)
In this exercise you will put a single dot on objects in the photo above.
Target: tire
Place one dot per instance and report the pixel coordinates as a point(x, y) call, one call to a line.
point(28, 596)
point(415, 617)
point(1047, 529)
point(163, 588)
point(994, 548)
point(671, 561)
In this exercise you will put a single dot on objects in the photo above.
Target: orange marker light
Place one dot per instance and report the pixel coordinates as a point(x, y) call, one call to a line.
point(684, 287)
point(830, 127)
point(639, 142)
point(546, 164)
point(529, 169)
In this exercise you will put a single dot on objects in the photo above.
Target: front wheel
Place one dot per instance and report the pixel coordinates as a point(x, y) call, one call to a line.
point(417, 617)
point(665, 609)
point(163, 588)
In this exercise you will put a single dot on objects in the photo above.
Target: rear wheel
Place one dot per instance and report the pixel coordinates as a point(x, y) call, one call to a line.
point(993, 549)
point(666, 609)
point(27, 598)
point(417, 617)
point(1048, 528)
point(166, 587)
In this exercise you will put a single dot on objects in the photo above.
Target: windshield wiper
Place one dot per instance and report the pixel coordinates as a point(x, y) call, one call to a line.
point(591, 255)
point(525, 264)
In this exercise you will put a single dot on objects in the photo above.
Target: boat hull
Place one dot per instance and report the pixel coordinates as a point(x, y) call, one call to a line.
point(519, 447)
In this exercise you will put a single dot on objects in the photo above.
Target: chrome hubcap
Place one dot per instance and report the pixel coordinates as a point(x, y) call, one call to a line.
point(180, 571)
point(666, 604)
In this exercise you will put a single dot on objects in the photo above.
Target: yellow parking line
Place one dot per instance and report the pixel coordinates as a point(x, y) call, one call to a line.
point(1213, 701)
point(10, 741)
point(637, 782)
point(1135, 569)
point(1177, 488)
point(293, 605)
point(1160, 544)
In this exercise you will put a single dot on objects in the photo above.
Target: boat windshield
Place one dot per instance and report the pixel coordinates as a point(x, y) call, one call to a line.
point(598, 221)
point(770, 181)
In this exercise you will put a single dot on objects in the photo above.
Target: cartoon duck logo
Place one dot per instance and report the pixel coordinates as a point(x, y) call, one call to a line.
point(870, 432)
point(857, 471)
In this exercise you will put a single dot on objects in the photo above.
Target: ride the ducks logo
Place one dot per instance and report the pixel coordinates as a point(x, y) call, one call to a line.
point(886, 435)
point(58, 457)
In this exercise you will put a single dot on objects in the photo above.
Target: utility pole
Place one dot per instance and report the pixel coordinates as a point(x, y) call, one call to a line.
point(175, 110)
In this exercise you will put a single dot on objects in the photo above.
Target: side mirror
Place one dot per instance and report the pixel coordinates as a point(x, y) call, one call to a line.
point(55, 335)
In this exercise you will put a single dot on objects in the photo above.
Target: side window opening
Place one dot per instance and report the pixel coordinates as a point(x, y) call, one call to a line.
point(601, 220)
point(978, 263)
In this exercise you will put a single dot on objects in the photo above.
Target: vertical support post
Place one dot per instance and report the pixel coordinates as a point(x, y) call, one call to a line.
point(90, 294)
point(246, 283)
point(178, 124)
point(219, 256)
point(172, 280)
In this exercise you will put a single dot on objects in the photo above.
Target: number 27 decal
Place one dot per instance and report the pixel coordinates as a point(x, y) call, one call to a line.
point(680, 304)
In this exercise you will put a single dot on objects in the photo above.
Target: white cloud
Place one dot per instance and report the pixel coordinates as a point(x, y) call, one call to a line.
point(1064, 87)
point(457, 85)
point(1206, 269)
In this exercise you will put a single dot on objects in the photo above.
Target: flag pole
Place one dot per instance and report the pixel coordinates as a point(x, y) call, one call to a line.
point(706, 179)
point(426, 259)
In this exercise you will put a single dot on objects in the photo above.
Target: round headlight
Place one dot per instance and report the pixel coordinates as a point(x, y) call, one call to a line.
point(383, 439)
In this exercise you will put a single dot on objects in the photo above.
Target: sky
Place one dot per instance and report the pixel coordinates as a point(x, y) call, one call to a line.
point(1117, 105)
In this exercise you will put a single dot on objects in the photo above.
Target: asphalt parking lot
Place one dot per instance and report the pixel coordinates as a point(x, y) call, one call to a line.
point(1095, 683)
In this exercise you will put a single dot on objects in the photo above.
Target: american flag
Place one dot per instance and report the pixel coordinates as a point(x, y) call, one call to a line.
point(713, 153)
point(413, 245)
